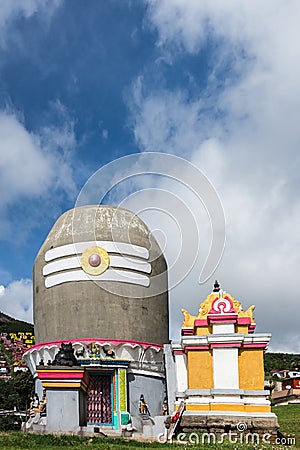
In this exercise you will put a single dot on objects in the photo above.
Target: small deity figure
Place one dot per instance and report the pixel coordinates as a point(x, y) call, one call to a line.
point(143, 407)
point(109, 353)
point(165, 407)
point(37, 406)
point(80, 352)
point(34, 405)
point(35, 401)
point(94, 350)
point(65, 356)
point(43, 403)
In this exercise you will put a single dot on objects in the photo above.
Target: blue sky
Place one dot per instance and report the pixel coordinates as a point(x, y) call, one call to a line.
point(83, 83)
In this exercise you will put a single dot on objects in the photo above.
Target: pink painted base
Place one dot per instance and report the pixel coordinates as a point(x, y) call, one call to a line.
point(60, 375)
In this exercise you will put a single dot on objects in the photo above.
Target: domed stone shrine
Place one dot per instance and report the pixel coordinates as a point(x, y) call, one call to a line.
point(103, 360)
point(100, 270)
point(100, 286)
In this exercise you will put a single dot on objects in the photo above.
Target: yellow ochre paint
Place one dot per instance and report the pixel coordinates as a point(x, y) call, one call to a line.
point(230, 407)
point(200, 370)
point(251, 369)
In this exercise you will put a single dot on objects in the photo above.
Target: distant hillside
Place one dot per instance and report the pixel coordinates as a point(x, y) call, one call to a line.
point(10, 325)
point(281, 361)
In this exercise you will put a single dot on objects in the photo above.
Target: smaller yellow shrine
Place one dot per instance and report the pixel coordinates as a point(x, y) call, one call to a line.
point(219, 365)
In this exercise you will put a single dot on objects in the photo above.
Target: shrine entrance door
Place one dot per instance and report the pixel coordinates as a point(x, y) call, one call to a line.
point(99, 399)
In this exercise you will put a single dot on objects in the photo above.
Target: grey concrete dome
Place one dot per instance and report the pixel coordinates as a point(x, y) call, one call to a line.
point(69, 304)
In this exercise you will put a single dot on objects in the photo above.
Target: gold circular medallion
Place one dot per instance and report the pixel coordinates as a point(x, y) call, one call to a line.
point(94, 260)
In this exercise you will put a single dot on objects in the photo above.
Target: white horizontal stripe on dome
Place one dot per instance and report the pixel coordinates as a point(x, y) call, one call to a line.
point(109, 275)
point(110, 246)
point(115, 261)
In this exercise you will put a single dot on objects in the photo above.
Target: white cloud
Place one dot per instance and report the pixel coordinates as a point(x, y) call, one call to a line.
point(35, 168)
point(243, 132)
point(166, 121)
point(30, 163)
point(24, 169)
point(11, 10)
point(16, 300)
point(255, 24)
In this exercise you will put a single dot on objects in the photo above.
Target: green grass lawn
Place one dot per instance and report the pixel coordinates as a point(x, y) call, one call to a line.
point(17, 440)
point(289, 419)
